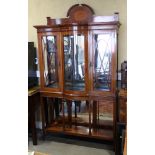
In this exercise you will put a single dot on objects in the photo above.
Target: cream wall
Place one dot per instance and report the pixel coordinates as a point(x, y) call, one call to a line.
point(38, 10)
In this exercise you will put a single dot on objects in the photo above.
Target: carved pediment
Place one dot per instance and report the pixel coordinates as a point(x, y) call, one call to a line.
point(80, 13)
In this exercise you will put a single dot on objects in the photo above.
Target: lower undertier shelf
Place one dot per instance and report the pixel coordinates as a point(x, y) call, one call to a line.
point(82, 131)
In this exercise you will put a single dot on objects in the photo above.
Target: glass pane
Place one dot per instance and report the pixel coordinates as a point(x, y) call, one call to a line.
point(74, 62)
point(50, 54)
point(102, 66)
point(102, 119)
point(77, 117)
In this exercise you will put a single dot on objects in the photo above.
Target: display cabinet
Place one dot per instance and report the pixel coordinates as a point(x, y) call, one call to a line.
point(78, 64)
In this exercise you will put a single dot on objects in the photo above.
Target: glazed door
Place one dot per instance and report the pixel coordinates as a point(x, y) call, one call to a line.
point(75, 60)
point(102, 62)
point(51, 68)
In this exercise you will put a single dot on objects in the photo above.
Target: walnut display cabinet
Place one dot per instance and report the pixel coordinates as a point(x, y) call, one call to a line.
point(78, 64)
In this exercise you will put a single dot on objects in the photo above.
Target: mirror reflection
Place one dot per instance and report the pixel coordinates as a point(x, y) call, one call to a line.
point(102, 61)
point(50, 55)
point(74, 63)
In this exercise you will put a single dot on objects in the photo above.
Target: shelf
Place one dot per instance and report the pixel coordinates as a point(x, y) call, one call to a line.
point(78, 130)
point(54, 129)
point(83, 121)
point(102, 134)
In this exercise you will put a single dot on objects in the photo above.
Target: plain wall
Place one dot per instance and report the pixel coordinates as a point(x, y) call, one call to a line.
point(38, 10)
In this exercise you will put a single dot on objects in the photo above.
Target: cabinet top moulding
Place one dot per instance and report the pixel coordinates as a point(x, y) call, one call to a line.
point(81, 14)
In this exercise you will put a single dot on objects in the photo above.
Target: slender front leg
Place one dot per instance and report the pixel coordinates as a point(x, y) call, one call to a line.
point(46, 113)
point(63, 114)
point(89, 111)
point(94, 114)
point(42, 101)
point(69, 103)
point(75, 109)
point(98, 112)
point(52, 111)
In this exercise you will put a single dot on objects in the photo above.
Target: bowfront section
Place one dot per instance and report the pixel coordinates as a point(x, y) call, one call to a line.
point(78, 64)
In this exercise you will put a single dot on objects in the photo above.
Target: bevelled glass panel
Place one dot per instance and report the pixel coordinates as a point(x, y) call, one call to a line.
point(74, 63)
point(102, 61)
point(50, 55)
